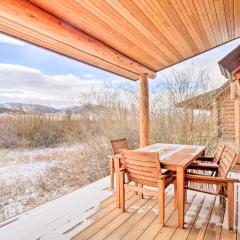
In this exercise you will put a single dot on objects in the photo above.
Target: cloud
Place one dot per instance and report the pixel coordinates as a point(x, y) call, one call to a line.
point(23, 84)
point(11, 40)
point(207, 61)
point(88, 75)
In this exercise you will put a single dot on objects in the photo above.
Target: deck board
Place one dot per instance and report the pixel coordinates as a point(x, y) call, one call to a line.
point(214, 228)
point(91, 213)
point(149, 218)
point(190, 218)
point(204, 219)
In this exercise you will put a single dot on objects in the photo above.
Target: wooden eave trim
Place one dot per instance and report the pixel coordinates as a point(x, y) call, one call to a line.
point(23, 14)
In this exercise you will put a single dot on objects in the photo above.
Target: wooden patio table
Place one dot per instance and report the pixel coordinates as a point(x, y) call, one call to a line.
point(175, 157)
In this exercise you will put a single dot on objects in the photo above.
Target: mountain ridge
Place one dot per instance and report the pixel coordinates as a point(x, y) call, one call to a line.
point(25, 108)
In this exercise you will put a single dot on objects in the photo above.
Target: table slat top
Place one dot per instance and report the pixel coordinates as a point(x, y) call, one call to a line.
point(174, 154)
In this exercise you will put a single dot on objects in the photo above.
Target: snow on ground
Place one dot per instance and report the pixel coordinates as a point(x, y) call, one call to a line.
point(51, 220)
point(29, 177)
point(26, 170)
point(33, 155)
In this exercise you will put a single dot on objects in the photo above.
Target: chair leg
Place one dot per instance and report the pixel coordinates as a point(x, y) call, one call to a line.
point(135, 184)
point(111, 168)
point(122, 191)
point(161, 202)
point(185, 195)
point(230, 191)
point(222, 201)
point(140, 194)
point(175, 193)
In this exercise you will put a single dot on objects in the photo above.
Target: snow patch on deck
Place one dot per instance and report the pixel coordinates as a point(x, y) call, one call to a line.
point(51, 220)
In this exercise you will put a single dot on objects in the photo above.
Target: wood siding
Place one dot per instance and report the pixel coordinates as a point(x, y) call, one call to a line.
point(228, 119)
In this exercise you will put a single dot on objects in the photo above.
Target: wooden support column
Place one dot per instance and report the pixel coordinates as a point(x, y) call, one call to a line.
point(144, 110)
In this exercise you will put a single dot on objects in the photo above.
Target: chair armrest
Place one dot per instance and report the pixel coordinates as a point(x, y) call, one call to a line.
point(204, 166)
point(205, 158)
point(167, 174)
point(114, 156)
point(209, 179)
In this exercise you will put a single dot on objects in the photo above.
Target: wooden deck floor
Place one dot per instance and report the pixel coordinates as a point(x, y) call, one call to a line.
point(204, 219)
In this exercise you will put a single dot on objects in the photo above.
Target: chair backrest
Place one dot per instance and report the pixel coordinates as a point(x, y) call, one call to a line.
point(118, 144)
point(227, 159)
point(217, 155)
point(142, 167)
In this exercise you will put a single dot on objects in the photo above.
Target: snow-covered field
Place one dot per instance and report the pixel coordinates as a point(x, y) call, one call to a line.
point(26, 170)
point(31, 177)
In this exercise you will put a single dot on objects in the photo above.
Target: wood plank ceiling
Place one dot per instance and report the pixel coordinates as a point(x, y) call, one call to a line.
point(126, 37)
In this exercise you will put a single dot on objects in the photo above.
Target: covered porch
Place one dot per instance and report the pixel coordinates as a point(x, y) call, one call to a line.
point(135, 40)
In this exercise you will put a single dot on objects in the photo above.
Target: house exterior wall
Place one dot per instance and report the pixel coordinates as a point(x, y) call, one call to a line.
point(228, 119)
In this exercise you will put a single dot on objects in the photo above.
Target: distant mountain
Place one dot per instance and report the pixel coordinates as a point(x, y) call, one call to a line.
point(11, 111)
point(28, 108)
point(72, 109)
point(24, 108)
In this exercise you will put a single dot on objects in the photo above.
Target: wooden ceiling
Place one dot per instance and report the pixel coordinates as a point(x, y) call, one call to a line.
point(126, 37)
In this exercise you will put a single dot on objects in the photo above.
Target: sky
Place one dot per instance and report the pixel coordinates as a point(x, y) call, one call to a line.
point(30, 74)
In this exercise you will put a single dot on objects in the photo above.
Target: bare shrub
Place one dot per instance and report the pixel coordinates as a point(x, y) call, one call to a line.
point(183, 126)
point(37, 131)
point(8, 132)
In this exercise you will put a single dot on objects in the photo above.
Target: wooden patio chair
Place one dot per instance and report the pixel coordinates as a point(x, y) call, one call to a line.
point(216, 156)
point(208, 163)
point(224, 187)
point(144, 169)
point(116, 144)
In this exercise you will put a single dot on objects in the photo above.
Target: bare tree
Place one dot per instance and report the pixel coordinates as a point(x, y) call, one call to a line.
point(181, 85)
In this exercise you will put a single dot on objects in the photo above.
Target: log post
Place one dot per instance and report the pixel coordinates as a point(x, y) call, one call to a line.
point(144, 110)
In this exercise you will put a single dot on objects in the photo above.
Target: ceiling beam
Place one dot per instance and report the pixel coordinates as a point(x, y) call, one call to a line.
point(64, 50)
point(26, 21)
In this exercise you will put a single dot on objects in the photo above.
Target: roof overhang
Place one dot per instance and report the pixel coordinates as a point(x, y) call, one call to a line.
point(127, 38)
point(205, 101)
point(230, 64)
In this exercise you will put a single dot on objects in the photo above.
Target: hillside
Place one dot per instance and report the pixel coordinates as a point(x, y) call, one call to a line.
point(27, 108)
point(24, 108)
point(11, 111)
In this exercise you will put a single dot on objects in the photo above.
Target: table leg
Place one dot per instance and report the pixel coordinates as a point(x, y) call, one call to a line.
point(180, 195)
point(117, 167)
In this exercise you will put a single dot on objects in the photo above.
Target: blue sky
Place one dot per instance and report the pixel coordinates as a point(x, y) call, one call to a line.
point(34, 75)
point(46, 61)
